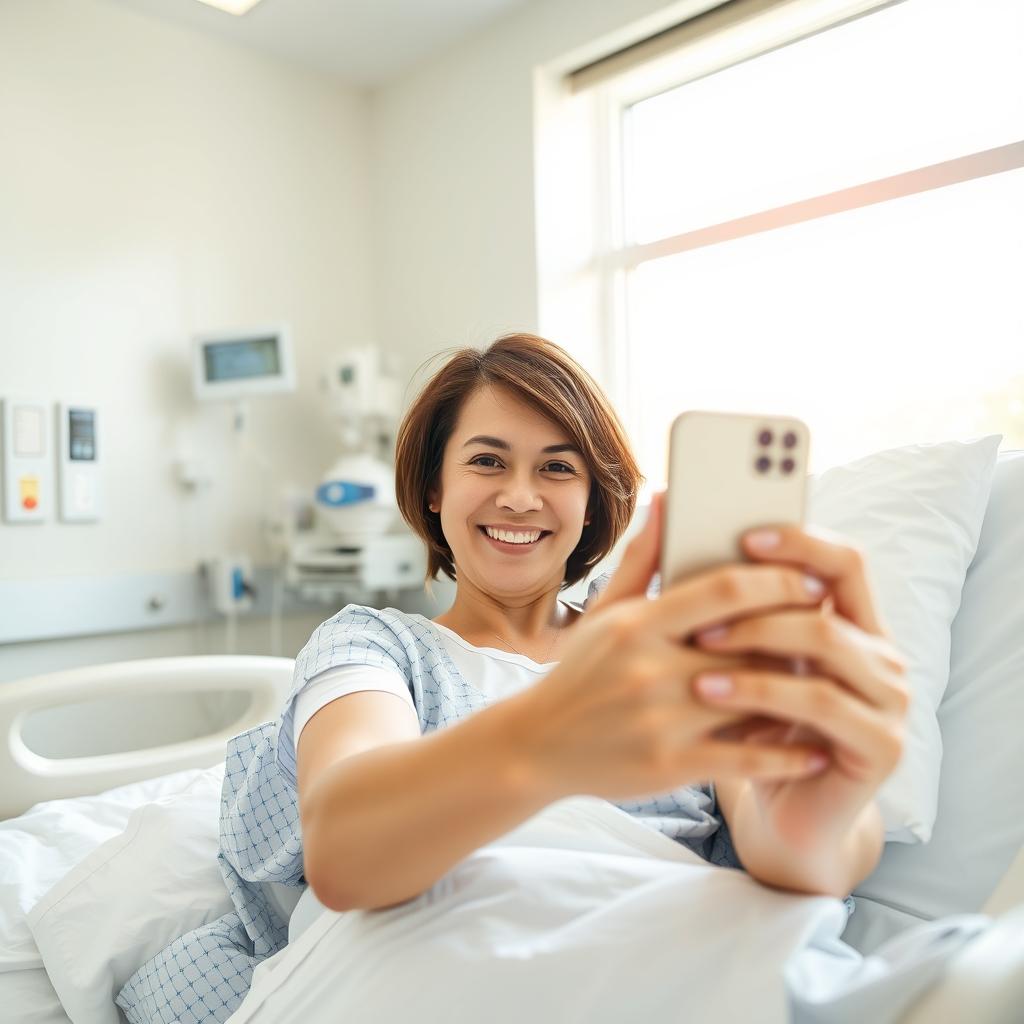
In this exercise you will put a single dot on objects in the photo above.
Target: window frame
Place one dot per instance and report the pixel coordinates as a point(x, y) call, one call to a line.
point(582, 285)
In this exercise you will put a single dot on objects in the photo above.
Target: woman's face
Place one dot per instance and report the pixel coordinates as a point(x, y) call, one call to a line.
point(514, 483)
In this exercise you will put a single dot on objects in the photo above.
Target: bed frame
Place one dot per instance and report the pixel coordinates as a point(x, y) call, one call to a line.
point(27, 777)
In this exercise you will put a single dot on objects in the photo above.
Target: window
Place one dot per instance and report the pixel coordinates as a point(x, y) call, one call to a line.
point(830, 229)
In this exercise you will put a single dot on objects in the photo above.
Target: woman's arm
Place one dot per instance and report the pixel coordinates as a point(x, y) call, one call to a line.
point(383, 825)
point(832, 864)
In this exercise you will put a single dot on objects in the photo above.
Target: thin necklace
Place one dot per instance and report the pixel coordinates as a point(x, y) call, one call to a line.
point(547, 656)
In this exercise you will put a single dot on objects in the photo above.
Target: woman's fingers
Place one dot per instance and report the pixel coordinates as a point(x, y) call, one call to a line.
point(667, 680)
point(829, 556)
point(865, 663)
point(726, 593)
point(812, 700)
point(752, 727)
point(721, 760)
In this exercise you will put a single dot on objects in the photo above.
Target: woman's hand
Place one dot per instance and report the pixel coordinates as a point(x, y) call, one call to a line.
point(618, 718)
point(854, 693)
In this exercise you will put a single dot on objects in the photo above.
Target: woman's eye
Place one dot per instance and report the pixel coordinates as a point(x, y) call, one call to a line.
point(566, 468)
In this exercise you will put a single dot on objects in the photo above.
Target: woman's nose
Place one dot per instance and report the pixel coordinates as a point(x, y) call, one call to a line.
point(520, 496)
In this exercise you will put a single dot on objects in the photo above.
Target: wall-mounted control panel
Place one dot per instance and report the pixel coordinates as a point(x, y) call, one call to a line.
point(49, 465)
point(78, 463)
point(28, 460)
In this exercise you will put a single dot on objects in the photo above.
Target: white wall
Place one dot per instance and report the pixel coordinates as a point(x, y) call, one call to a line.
point(156, 182)
point(453, 161)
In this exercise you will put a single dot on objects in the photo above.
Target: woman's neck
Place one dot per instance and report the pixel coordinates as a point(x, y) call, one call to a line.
point(524, 628)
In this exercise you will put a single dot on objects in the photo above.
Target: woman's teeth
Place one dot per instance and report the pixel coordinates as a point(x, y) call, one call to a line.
point(513, 538)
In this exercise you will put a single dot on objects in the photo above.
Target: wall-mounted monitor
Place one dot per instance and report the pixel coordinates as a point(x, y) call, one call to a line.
point(241, 363)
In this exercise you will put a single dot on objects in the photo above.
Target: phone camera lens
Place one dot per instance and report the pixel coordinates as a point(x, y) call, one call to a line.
point(790, 439)
point(763, 464)
point(765, 437)
point(788, 465)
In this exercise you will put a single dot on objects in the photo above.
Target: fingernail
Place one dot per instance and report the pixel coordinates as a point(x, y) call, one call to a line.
point(711, 635)
point(714, 685)
point(763, 539)
point(814, 586)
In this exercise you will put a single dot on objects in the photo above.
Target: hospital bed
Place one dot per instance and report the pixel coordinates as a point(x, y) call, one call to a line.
point(83, 839)
point(77, 805)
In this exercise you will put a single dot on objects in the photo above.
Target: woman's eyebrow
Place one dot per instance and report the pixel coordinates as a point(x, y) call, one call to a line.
point(496, 442)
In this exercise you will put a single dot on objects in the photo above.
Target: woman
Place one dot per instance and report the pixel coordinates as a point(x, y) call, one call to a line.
point(406, 744)
point(516, 472)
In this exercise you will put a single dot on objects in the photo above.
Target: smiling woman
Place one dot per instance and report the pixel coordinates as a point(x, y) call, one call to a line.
point(515, 470)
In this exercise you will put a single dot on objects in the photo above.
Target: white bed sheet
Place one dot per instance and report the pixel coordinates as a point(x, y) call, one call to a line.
point(581, 889)
point(28, 998)
point(584, 914)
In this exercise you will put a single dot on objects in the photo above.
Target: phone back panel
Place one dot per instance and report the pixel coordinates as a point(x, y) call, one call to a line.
point(726, 476)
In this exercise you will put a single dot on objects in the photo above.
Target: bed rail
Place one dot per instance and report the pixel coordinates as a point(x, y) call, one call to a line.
point(27, 777)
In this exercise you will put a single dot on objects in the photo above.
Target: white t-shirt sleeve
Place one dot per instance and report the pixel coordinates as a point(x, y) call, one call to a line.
point(341, 681)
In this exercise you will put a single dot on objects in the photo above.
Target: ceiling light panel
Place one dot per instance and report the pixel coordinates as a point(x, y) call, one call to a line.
point(231, 6)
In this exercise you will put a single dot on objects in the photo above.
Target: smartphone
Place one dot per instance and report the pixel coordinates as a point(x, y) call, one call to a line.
point(729, 473)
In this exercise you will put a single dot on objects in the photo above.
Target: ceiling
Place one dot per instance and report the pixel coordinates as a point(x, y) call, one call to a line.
point(363, 42)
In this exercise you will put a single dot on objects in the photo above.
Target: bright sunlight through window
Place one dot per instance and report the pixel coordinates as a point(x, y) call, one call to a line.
point(891, 323)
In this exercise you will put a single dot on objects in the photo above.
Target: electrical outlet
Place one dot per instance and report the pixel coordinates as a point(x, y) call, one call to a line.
point(231, 583)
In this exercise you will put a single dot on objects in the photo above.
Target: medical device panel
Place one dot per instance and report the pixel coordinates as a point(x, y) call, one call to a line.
point(27, 461)
point(78, 463)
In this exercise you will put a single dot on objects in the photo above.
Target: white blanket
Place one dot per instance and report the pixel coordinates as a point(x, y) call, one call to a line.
point(584, 914)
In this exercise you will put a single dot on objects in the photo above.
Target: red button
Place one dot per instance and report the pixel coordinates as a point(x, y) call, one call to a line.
point(29, 503)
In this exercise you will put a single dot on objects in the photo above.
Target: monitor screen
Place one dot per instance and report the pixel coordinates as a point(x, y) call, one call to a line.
point(82, 434)
point(244, 359)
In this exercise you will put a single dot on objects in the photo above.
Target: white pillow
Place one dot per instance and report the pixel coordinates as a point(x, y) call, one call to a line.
point(41, 846)
point(132, 897)
point(979, 828)
point(917, 512)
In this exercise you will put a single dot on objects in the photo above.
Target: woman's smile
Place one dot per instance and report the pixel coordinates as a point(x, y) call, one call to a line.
point(511, 548)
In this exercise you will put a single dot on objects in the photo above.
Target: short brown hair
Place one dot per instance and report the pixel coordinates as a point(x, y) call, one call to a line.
point(543, 375)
